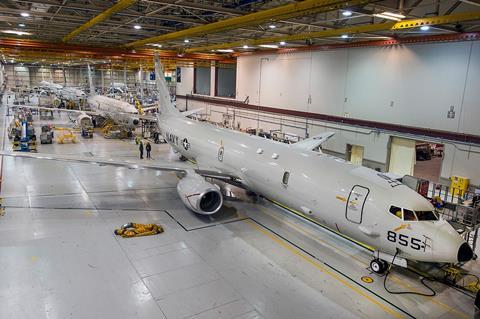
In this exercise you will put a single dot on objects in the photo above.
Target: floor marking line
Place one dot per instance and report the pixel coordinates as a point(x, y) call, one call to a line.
point(313, 262)
point(445, 306)
point(315, 238)
point(398, 281)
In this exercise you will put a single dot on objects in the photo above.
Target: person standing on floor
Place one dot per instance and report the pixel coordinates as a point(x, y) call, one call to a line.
point(140, 148)
point(148, 148)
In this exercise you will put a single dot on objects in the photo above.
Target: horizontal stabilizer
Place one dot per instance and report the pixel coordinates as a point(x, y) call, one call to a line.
point(313, 142)
point(191, 112)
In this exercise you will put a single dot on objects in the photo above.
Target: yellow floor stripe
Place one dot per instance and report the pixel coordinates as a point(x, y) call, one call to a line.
point(398, 281)
point(432, 299)
point(324, 270)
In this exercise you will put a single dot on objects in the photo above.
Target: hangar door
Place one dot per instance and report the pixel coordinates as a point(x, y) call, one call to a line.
point(402, 156)
point(356, 201)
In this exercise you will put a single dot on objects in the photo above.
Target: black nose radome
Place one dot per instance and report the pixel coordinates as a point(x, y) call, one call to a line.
point(135, 122)
point(465, 253)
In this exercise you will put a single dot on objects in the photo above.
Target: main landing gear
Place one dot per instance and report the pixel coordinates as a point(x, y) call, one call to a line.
point(379, 266)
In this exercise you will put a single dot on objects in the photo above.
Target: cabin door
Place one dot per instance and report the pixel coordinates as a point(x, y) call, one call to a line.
point(355, 203)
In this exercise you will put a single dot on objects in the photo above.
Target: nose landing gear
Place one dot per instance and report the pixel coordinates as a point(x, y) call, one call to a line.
point(379, 266)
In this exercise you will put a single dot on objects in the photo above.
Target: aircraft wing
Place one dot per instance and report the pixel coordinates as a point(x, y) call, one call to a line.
point(159, 165)
point(57, 109)
point(313, 142)
point(134, 164)
point(148, 117)
point(149, 107)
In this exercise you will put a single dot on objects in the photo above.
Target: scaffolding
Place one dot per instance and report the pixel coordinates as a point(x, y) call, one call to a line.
point(461, 211)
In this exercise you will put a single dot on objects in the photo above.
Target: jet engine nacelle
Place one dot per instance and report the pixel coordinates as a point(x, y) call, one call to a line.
point(199, 195)
point(84, 120)
point(133, 122)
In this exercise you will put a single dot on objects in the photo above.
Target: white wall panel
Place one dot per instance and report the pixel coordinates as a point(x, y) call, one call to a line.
point(421, 81)
point(290, 88)
point(186, 85)
point(248, 78)
point(327, 87)
point(470, 117)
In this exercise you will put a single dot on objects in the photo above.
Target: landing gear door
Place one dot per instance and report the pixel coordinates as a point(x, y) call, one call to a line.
point(355, 203)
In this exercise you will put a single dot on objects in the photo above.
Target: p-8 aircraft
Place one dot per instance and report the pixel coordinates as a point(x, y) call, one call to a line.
point(68, 93)
point(354, 201)
point(120, 112)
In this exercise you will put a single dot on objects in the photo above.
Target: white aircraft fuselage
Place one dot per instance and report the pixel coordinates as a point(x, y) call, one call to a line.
point(68, 93)
point(120, 112)
point(349, 199)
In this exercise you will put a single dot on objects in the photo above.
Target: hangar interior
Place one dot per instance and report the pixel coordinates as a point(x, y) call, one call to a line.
point(332, 93)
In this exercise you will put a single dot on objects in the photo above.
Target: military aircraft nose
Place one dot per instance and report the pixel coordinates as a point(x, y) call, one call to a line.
point(465, 253)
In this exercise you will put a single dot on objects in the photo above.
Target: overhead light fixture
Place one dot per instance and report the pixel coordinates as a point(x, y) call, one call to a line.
point(22, 25)
point(395, 15)
point(245, 46)
point(155, 45)
point(283, 43)
point(390, 16)
point(425, 28)
point(225, 50)
point(186, 40)
point(16, 32)
point(272, 26)
point(344, 36)
point(137, 27)
point(25, 14)
point(347, 13)
point(269, 46)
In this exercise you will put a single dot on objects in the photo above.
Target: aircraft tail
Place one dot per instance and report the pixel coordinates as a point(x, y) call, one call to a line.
point(165, 104)
point(90, 80)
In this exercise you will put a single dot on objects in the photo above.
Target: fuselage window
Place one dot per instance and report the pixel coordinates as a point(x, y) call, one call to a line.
point(396, 211)
point(426, 215)
point(409, 215)
point(285, 178)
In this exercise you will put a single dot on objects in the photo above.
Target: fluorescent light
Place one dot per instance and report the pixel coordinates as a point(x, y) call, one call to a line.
point(424, 28)
point(225, 50)
point(380, 15)
point(137, 27)
point(344, 36)
point(270, 46)
point(25, 14)
point(347, 13)
point(395, 15)
point(155, 45)
point(16, 32)
point(272, 26)
point(245, 46)
point(283, 43)
point(186, 40)
point(22, 25)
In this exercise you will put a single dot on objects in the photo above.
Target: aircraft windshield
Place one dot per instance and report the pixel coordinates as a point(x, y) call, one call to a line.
point(426, 215)
point(410, 215)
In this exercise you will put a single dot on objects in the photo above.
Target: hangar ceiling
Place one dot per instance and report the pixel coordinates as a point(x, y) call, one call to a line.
point(199, 26)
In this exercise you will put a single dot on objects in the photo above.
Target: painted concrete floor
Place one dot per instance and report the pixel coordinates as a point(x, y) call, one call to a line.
point(59, 257)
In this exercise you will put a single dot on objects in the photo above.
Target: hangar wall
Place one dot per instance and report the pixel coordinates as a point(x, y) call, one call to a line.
point(411, 85)
point(28, 76)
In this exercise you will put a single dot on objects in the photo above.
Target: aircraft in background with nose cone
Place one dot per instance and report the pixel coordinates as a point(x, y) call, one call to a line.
point(364, 205)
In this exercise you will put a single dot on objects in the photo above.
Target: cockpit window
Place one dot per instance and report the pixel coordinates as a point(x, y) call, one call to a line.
point(397, 211)
point(426, 215)
point(409, 215)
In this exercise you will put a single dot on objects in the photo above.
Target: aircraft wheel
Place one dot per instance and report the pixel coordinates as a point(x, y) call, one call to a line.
point(378, 266)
